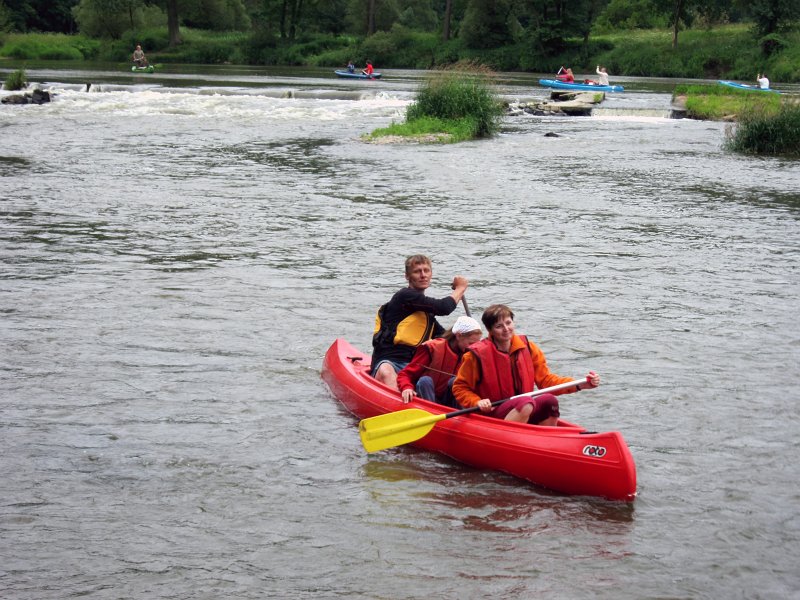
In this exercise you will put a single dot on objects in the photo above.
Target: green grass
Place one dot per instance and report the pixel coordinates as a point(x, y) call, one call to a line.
point(767, 132)
point(49, 46)
point(430, 129)
point(717, 102)
point(724, 52)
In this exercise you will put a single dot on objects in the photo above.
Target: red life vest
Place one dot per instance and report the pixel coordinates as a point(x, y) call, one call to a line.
point(443, 365)
point(503, 375)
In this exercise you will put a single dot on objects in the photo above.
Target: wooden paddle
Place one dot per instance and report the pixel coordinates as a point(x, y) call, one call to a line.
point(466, 308)
point(405, 426)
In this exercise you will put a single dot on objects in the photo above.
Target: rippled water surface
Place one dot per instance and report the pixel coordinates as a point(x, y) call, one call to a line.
point(177, 255)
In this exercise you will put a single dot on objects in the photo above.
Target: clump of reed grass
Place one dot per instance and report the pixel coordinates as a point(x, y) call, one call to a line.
point(767, 132)
point(16, 80)
point(461, 93)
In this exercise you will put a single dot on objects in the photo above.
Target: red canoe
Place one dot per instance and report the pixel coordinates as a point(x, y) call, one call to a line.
point(567, 458)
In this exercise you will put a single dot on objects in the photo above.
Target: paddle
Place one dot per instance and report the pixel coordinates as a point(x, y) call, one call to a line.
point(466, 308)
point(405, 426)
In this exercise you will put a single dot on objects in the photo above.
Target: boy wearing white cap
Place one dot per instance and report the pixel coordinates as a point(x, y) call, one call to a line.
point(432, 370)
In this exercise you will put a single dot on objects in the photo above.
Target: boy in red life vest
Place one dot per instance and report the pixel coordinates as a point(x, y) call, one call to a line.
point(368, 69)
point(432, 370)
point(505, 364)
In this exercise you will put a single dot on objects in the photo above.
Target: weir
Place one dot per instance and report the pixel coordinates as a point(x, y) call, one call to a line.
point(659, 113)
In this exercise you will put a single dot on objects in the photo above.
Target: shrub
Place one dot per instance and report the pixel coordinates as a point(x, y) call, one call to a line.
point(461, 92)
point(16, 80)
point(761, 131)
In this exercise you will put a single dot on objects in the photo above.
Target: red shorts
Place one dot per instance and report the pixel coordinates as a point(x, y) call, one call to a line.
point(544, 406)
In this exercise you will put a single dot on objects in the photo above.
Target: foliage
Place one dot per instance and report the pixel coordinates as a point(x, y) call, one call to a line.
point(39, 15)
point(462, 92)
point(400, 47)
point(486, 24)
point(49, 46)
point(629, 14)
point(5, 18)
point(16, 80)
point(724, 52)
point(765, 131)
point(772, 16)
point(216, 15)
point(107, 18)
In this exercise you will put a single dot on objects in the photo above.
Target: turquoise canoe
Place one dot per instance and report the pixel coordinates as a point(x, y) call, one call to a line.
point(358, 75)
point(744, 86)
point(592, 87)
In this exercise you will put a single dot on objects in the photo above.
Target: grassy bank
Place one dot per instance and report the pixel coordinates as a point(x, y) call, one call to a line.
point(724, 52)
point(719, 102)
point(765, 124)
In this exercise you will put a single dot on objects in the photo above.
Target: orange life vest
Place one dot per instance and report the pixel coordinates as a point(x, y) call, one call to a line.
point(503, 375)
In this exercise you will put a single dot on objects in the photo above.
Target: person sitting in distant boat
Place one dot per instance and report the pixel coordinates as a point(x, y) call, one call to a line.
point(409, 319)
point(565, 75)
point(763, 82)
point(139, 59)
point(505, 364)
point(431, 372)
point(368, 70)
point(602, 75)
point(351, 67)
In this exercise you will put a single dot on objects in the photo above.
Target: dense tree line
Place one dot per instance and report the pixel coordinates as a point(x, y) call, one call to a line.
point(479, 24)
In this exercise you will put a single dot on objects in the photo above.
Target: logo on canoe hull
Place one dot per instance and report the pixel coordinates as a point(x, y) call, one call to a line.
point(597, 451)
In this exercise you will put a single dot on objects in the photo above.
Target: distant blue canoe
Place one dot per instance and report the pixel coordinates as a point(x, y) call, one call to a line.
point(563, 85)
point(358, 75)
point(744, 86)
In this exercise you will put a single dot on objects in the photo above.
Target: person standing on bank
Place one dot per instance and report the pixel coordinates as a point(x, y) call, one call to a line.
point(503, 365)
point(409, 319)
point(433, 369)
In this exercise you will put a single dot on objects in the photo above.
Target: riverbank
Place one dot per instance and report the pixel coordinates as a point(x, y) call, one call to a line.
point(724, 52)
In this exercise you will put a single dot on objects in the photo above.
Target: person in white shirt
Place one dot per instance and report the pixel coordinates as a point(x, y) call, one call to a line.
point(603, 79)
point(763, 82)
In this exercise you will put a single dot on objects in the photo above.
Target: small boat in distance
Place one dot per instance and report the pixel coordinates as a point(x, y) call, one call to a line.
point(147, 69)
point(357, 74)
point(593, 87)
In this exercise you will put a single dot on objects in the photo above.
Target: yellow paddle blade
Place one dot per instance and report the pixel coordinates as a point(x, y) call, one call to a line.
point(396, 428)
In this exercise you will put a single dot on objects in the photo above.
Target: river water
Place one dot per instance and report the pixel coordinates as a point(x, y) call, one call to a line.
point(179, 251)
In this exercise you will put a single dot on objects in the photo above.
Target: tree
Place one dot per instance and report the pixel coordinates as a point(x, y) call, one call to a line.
point(448, 14)
point(771, 16)
point(218, 15)
point(107, 18)
point(40, 15)
point(173, 26)
point(486, 24)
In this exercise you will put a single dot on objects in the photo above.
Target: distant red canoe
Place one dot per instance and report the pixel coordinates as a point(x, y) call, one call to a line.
point(566, 459)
